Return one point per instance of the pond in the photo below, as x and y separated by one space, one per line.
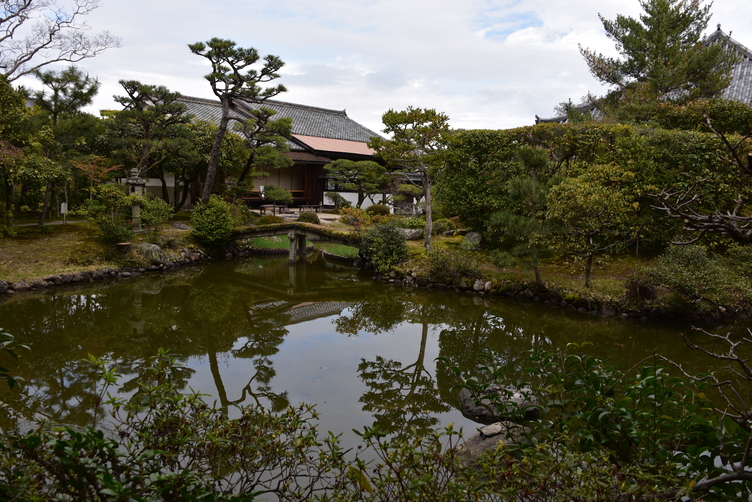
255 331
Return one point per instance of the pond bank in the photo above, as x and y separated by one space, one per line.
153 259
555 298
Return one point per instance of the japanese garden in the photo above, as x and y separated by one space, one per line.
243 298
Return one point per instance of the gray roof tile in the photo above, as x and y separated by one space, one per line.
306 120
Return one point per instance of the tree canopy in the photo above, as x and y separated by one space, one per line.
234 76
663 54
419 139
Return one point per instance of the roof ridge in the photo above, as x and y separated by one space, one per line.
270 101
738 46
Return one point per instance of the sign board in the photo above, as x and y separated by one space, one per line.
64 208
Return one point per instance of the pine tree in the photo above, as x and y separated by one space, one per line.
663 54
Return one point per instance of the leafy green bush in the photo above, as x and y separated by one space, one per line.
269 219
443 225
114 232
378 209
154 212
309 217
413 223
502 259
603 434
241 213
212 222
694 276
451 265
171 446
355 217
384 247
338 201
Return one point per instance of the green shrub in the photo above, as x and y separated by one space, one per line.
309 217
212 222
692 275
154 212
354 216
241 213
502 259
446 264
413 223
269 219
443 225
338 201
384 247
114 232
739 259
378 210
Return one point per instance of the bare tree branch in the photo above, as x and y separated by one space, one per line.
35 33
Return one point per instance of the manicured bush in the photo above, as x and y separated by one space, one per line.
413 223
453 266
384 247
269 219
212 222
443 225
355 217
378 209
309 217
114 231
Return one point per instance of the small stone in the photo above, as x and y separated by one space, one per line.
20 286
489 438
38 284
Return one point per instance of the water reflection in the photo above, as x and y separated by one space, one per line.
261 332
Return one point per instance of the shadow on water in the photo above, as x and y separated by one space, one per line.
262 332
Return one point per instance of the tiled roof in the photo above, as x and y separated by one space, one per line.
740 88
306 120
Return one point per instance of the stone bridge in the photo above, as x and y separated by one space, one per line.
298 233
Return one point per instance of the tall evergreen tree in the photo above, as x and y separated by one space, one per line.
233 76
663 54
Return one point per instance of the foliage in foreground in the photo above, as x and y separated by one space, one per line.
604 435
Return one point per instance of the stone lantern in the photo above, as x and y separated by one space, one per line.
136 186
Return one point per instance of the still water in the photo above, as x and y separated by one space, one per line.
259 332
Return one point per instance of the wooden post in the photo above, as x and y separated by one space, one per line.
293 256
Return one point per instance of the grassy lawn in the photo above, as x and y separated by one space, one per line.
60 249
339 250
269 243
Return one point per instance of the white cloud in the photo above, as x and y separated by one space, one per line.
486 63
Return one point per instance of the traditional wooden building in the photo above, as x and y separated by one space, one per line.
319 136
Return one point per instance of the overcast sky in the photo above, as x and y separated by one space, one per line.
490 64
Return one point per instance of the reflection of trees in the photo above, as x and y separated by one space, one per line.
400 397
190 315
